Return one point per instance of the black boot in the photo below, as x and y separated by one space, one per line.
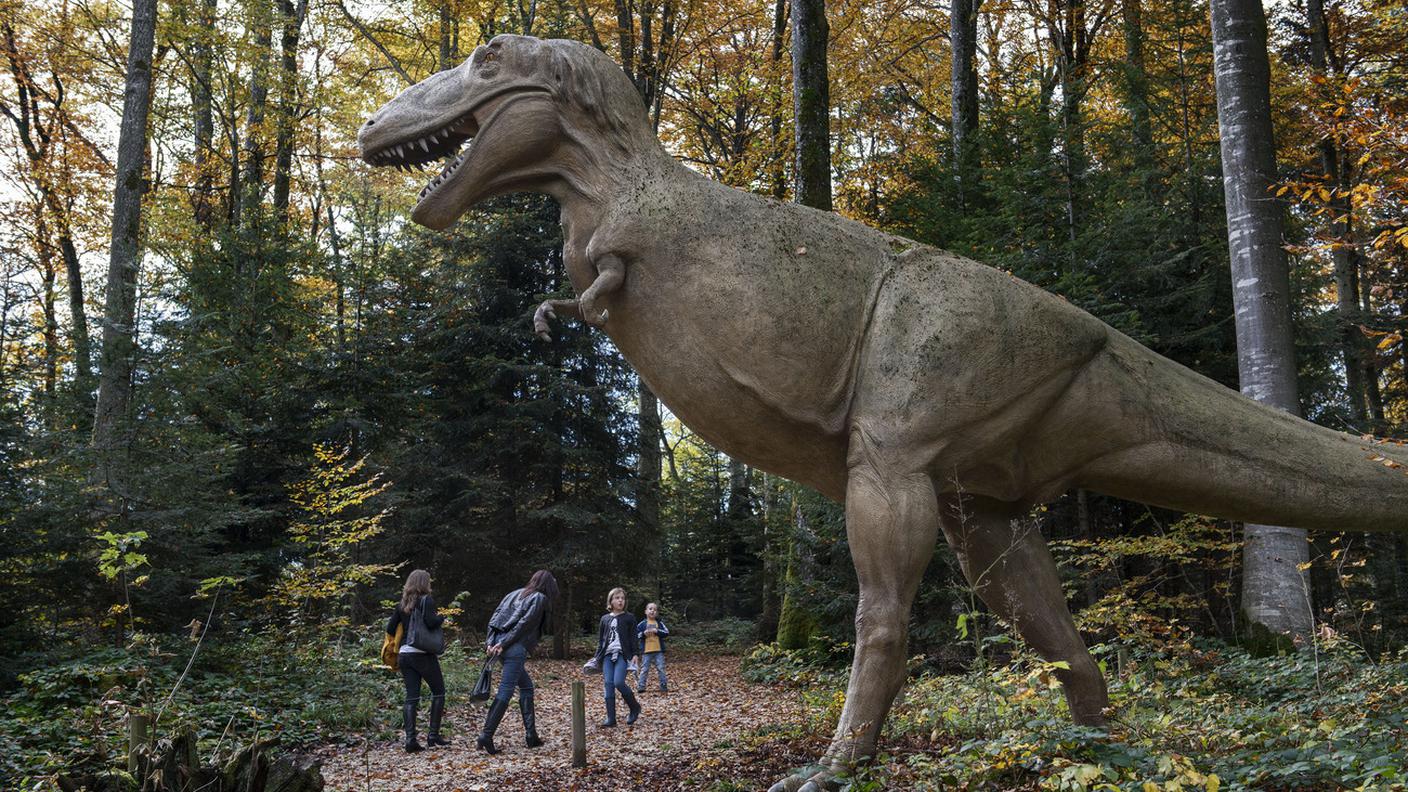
530 722
408 719
632 703
437 711
491 725
610 712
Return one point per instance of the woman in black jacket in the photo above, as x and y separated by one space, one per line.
514 629
417 665
616 644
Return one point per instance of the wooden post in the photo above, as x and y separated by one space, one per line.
579 724
138 725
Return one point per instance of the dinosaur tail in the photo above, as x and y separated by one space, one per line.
1194 445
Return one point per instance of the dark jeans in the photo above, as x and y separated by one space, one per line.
515 674
417 666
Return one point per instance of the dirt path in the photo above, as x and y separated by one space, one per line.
699 736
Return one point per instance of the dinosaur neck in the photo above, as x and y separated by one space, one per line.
590 178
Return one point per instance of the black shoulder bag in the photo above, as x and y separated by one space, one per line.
422 637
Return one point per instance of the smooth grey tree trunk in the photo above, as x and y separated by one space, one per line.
963 42
811 103
111 416
1275 592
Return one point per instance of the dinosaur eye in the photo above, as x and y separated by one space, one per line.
489 57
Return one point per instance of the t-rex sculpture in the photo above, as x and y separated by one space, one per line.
925 391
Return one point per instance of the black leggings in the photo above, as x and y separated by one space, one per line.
416 666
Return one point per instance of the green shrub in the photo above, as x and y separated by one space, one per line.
1207 717
727 635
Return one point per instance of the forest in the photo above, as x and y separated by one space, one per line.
242 395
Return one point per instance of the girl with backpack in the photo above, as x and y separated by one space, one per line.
418 665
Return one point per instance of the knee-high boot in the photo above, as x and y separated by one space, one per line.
491 725
408 719
437 712
530 721
630 702
610 711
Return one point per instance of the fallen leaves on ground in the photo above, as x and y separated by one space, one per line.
700 734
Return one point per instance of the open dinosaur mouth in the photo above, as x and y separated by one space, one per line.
438 143
444 140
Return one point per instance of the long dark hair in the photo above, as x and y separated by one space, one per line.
542 582
417 586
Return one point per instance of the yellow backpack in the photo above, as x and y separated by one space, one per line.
391 647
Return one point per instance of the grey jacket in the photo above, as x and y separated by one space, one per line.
518 621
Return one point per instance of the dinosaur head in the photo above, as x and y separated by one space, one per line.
534 112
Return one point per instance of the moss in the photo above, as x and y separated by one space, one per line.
1262 641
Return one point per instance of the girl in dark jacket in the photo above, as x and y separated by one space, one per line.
616 644
416 665
514 629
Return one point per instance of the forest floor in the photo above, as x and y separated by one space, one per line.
712 731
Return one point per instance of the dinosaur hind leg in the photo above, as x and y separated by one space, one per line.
892 526
1008 564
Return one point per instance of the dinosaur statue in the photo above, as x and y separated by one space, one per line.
925 391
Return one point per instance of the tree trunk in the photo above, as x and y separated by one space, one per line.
1357 360
1136 89
772 548
963 40
110 417
252 181
48 276
779 34
1274 589
811 102
203 116
288 103
1072 57
447 23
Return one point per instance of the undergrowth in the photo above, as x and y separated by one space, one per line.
1205 717
71 715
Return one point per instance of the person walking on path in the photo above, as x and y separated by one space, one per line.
650 633
417 665
615 646
514 629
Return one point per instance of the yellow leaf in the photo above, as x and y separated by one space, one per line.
1214 783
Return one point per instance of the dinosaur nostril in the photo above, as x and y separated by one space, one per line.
371 121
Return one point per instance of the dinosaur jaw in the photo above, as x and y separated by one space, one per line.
461 181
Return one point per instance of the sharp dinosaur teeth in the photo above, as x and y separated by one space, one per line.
424 146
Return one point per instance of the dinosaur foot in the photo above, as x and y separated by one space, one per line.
812 778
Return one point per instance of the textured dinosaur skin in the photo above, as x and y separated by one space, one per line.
927 392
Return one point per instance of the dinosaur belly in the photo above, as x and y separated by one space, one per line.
748 327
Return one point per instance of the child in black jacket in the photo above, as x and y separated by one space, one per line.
616 645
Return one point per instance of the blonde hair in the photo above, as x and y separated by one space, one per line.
611 595
417 586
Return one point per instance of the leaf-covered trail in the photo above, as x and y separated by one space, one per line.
697 736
